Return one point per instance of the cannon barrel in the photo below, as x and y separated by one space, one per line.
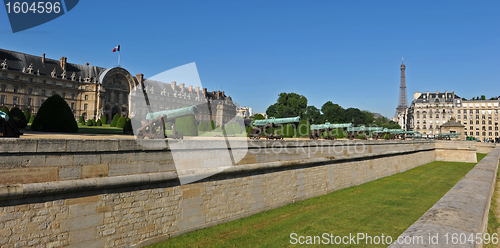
330 126
275 121
174 113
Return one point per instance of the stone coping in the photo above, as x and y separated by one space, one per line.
41 145
463 210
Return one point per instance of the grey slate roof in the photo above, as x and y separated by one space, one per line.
16 61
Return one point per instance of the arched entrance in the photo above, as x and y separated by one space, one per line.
84 116
115 111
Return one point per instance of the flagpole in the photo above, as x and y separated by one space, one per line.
119 53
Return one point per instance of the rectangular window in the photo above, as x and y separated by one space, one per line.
477 133
471 128
459 117
14 101
4 75
458 111
64 84
4 87
2 99
87 88
72 105
471 133
86 97
85 106
29 101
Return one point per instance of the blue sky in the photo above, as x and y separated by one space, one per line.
347 52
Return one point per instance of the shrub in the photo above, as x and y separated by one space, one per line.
90 122
129 125
5 109
115 120
55 116
18 117
121 122
98 123
26 114
81 120
228 128
248 130
212 125
32 118
186 125
104 120
202 126
237 128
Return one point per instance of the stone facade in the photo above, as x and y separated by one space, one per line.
26 81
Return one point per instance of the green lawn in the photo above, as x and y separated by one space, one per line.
386 206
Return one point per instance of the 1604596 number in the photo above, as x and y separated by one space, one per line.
36 7
477 238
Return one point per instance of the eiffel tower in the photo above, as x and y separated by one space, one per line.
402 104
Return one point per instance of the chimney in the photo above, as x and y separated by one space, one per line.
190 88
43 58
204 91
197 89
140 79
62 62
223 94
173 84
87 64
182 87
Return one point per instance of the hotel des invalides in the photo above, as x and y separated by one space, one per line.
92 92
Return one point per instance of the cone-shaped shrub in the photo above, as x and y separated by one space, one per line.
55 116
115 120
98 123
121 122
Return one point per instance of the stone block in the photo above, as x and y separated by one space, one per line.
58 160
14 145
71 172
83 235
82 210
82 222
93 171
78 145
87 159
114 158
51 145
28 175
148 167
124 169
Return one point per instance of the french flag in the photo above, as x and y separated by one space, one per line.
116 49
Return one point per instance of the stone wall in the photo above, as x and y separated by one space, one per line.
115 193
463 210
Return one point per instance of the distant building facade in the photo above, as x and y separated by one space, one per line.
429 111
244 112
26 81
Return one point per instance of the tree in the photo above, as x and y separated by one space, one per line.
304 128
5 109
313 115
55 116
18 117
115 120
288 105
258 117
272 110
483 97
333 113
81 120
355 116
369 118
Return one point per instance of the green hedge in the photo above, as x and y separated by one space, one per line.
121 122
115 120
186 125
104 120
90 123
98 123
81 120
18 117
55 116
5 109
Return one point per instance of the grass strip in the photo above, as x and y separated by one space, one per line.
385 206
